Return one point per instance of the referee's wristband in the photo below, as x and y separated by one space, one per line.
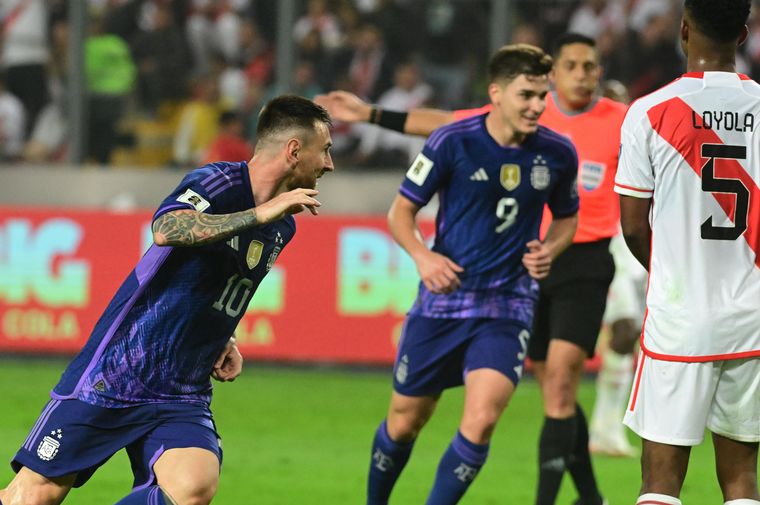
390 119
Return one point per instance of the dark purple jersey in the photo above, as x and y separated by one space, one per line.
169 321
491 202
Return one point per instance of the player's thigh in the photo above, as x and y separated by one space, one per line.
577 312
181 430
71 437
30 488
487 393
735 412
430 355
189 475
670 401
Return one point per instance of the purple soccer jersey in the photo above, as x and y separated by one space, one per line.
491 203
169 321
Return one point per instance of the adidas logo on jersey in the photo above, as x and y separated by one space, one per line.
479 175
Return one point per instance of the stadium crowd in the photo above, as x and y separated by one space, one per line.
160 73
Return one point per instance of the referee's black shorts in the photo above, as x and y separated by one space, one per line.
573 298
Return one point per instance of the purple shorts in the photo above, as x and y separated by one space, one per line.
435 354
73 437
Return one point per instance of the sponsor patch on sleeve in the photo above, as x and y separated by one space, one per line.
420 169
197 201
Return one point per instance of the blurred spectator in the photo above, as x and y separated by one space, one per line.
318 18
651 57
527 33
12 123
400 23
304 83
383 147
110 79
448 23
214 26
25 53
593 17
230 144
255 55
198 122
232 82
615 90
366 63
162 60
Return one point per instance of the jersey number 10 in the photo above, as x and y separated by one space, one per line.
230 302
712 184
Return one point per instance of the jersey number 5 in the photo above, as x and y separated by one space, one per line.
712 184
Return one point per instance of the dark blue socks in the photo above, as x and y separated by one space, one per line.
388 459
458 468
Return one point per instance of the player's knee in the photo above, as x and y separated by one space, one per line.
405 427
480 424
190 491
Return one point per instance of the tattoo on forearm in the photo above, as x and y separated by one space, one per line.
190 228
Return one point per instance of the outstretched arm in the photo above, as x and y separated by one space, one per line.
187 228
347 107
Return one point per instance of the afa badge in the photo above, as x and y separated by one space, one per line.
48 448
510 176
252 258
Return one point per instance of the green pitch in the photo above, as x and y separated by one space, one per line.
295 436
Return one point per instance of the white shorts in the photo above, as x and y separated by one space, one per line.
673 402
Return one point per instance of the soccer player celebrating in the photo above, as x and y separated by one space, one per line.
573 296
690 208
141 382
471 321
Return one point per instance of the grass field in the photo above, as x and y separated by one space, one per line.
302 436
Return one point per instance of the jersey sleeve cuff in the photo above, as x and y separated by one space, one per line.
411 196
622 189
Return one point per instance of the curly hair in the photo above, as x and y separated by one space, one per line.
721 21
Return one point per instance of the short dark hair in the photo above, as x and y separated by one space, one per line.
720 21
571 38
514 60
286 112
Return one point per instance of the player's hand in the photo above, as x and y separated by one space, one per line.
229 364
284 204
537 260
439 273
344 106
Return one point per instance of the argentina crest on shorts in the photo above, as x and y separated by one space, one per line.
49 446
592 174
402 369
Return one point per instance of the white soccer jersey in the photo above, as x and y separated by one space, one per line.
694 147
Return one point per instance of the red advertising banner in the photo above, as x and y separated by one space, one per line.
337 293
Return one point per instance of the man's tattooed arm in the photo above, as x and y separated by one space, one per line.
187 228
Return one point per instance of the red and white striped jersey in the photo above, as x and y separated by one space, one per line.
693 146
